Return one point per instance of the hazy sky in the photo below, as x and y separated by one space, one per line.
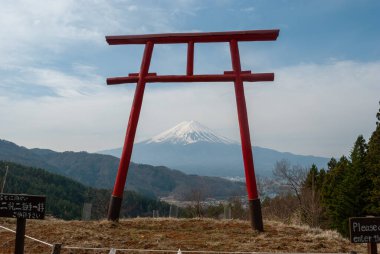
54 61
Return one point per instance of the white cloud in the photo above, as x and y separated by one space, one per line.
39 82
132 8
249 9
81 117
64 85
47 99
31 29
316 109
310 109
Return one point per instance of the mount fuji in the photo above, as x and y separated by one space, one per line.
195 149
187 133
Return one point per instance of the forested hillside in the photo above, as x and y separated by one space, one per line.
99 171
65 197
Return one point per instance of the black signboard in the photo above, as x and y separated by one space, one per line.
22 206
365 230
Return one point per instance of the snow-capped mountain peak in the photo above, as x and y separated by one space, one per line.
189 132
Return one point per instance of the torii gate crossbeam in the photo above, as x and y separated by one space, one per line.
236 75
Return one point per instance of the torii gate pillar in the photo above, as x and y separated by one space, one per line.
236 75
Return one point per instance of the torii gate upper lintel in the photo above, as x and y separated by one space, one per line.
236 75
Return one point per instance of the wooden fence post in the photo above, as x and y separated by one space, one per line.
57 248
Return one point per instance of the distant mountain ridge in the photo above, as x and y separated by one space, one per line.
196 149
98 170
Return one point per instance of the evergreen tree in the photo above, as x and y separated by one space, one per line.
333 193
315 178
373 165
332 163
378 117
359 178
359 152
347 186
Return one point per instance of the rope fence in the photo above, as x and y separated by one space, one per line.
56 249
29 237
179 251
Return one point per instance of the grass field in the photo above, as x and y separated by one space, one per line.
172 234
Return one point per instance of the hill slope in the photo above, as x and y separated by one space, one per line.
99 171
65 197
187 234
195 149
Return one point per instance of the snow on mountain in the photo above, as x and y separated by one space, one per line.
189 132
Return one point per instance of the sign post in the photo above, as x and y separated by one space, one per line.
365 230
20 235
22 207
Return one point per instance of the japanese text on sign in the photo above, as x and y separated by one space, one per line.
22 206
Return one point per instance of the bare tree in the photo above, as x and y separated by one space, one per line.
266 186
312 207
238 210
291 177
284 208
196 198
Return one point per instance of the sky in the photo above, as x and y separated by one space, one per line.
54 62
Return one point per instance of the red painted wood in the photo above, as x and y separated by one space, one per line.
243 123
132 123
190 58
136 74
252 35
194 78
242 72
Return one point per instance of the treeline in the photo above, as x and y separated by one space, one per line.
65 197
349 187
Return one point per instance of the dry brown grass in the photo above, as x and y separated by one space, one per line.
172 234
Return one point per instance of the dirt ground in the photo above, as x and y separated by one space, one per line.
173 234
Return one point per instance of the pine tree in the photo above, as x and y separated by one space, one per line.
373 165
315 178
352 186
333 194
332 163
347 187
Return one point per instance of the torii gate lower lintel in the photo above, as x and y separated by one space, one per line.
236 75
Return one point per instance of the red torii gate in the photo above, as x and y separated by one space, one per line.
236 75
